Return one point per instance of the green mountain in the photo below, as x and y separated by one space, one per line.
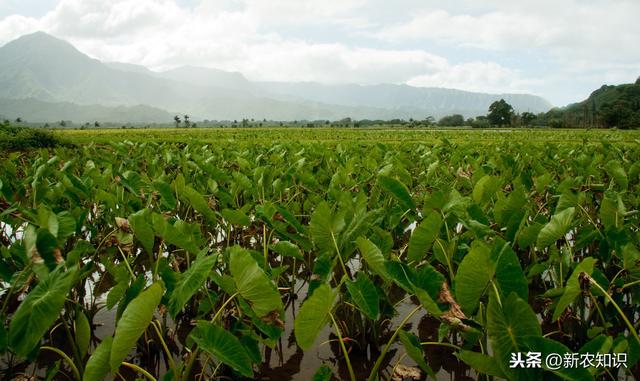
44 68
609 106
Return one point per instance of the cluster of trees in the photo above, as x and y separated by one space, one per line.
500 114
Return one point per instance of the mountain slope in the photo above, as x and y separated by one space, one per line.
42 67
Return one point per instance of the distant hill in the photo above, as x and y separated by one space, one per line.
44 68
37 111
609 106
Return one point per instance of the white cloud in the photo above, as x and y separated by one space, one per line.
368 41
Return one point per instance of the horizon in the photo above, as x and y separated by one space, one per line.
461 45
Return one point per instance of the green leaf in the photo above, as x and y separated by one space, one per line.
198 203
556 228
372 256
166 194
474 273
325 227
190 281
287 249
253 284
572 289
236 217
83 332
548 346
398 190
507 326
313 316
224 346
481 363
509 275
364 295
617 173
485 188
39 310
97 366
414 350
423 236
323 374
134 321
140 223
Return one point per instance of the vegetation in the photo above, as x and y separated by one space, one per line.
209 258
20 138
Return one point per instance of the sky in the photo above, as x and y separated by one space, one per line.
561 50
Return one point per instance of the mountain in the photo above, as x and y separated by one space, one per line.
37 111
608 106
44 68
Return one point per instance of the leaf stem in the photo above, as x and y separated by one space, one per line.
344 349
617 307
376 366
66 358
139 370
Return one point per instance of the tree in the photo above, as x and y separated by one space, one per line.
96 124
527 118
638 81
18 120
177 121
187 123
500 113
455 120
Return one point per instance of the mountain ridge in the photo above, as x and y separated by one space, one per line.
45 68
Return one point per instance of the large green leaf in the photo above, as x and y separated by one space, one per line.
98 367
313 316
224 346
473 276
615 170
253 284
507 326
83 332
572 289
39 310
190 281
372 256
287 249
398 190
134 321
423 236
485 188
509 275
140 223
364 295
556 228
198 203
412 345
481 363
325 227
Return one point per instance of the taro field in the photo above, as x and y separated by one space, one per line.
324 254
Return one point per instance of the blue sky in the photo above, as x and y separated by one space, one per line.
561 50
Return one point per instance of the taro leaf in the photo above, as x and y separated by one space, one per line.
66 225
556 228
485 188
364 295
323 374
427 302
287 249
481 363
253 284
142 229
507 326
398 190
47 245
572 289
474 273
546 347
528 234
313 316
166 194
414 350
189 282
236 217
401 274
509 275
372 256
198 203
134 321
97 366
39 310
617 173
83 332
224 346
325 227
423 236
612 211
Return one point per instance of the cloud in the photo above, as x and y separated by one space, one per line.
363 41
